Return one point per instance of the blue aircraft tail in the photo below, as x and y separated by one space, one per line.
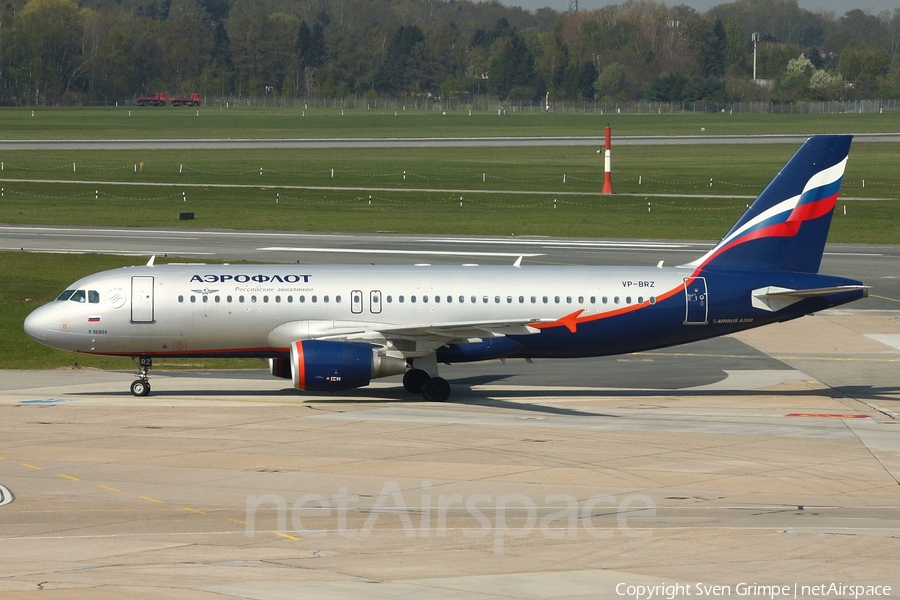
785 228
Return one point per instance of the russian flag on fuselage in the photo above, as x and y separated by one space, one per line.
786 227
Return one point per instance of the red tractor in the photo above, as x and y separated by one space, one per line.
193 100
159 99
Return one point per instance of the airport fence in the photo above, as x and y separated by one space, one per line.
494 104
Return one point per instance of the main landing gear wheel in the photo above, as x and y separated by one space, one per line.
436 389
140 387
414 380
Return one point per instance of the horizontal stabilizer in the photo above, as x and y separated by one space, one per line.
773 298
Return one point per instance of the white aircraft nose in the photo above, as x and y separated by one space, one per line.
37 324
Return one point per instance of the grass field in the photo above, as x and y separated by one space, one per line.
242 123
503 191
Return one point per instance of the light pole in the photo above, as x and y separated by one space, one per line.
755 37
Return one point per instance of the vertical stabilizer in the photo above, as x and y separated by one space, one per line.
786 227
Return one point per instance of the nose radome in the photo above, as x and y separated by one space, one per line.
37 324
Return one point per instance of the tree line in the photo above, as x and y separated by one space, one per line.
65 52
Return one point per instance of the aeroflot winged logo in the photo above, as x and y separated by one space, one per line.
258 278
783 220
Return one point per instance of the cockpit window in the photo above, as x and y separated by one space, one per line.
93 296
66 295
78 296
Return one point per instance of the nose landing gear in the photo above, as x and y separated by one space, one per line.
141 385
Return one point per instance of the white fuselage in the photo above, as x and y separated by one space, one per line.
210 309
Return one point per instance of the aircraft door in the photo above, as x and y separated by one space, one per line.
696 300
142 299
356 303
375 302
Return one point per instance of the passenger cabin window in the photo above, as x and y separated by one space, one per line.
181 298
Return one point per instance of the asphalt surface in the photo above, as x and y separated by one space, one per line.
769 458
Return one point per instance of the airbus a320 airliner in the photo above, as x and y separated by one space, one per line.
337 327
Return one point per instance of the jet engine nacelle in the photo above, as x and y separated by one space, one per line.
324 366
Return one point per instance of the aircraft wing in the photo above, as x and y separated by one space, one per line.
449 332
410 340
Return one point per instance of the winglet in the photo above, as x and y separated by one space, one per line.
150 262
518 262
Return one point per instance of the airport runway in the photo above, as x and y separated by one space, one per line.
876 265
770 458
500 142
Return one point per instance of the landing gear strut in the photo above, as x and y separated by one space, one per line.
141 385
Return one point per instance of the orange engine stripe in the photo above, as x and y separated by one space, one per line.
300 366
